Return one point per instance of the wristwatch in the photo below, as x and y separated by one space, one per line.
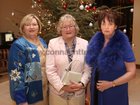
82 83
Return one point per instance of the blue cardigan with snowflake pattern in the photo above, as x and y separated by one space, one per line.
25 72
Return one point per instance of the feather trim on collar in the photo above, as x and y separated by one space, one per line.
106 57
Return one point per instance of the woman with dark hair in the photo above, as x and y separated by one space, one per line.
110 55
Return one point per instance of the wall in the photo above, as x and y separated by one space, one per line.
136 30
19 7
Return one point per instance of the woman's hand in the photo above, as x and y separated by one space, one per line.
103 85
25 103
74 86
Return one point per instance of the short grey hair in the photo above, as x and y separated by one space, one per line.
61 21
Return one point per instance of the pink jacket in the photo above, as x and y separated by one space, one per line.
57 61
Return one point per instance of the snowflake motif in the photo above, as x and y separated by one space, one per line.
20 64
33 55
15 75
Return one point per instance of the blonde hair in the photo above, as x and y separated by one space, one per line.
61 22
27 19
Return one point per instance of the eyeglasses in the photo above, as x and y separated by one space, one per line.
68 27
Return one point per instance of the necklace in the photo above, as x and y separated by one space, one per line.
41 49
42 53
34 40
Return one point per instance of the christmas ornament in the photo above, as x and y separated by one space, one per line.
65 6
90 24
39 1
87 7
81 7
94 8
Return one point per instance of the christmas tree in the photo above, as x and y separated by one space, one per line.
85 12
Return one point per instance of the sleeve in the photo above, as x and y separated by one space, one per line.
86 69
89 58
86 75
127 52
16 60
51 68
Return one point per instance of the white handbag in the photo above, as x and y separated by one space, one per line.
70 73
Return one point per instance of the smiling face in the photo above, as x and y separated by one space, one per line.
31 28
68 29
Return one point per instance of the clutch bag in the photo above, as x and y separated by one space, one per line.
71 74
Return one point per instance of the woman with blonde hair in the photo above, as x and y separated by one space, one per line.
26 64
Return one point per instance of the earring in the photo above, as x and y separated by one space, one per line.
39 32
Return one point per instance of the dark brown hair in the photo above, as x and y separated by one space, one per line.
111 15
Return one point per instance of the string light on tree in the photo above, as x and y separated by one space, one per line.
49 22
131 10
12 13
90 5
32 6
124 30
